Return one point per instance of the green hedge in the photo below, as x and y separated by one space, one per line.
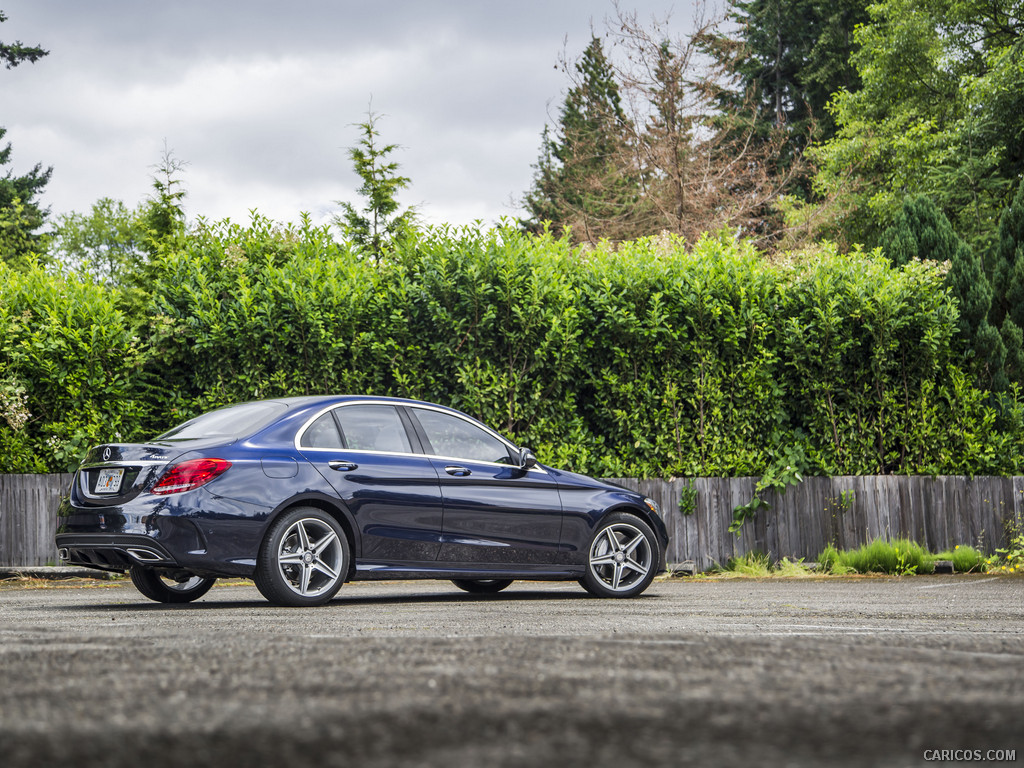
641 360
70 371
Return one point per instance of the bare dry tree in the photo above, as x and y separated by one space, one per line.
681 163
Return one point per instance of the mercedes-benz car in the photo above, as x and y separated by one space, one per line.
303 494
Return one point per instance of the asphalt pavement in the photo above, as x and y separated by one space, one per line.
801 672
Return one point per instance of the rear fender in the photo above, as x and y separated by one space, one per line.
332 506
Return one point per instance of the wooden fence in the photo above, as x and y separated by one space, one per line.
28 518
938 513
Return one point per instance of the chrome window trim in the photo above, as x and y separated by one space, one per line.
468 420
302 430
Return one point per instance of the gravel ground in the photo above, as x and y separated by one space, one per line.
872 672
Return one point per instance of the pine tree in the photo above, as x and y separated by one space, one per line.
586 179
922 231
20 214
14 54
164 211
378 224
642 148
789 57
1007 261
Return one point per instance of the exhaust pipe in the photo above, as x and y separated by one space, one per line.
144 555
63 553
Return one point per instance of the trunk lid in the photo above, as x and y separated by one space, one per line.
115 473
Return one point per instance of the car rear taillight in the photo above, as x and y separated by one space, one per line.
189 475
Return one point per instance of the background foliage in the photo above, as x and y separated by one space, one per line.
645 359
70 371
607 347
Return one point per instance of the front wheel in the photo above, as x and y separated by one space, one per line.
169 586
304 559
482 586
622 556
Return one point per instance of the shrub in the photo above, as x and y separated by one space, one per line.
1009 559
644 359
70 371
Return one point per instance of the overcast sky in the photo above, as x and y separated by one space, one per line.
260 98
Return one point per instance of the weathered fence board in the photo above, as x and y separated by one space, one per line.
28 522
938 513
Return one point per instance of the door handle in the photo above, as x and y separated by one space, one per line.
342 466
457 471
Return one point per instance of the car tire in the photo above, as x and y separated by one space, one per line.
621 558
165 588
482 586
304 558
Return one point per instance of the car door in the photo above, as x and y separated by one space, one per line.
494 510
364 450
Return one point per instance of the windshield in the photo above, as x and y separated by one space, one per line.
234 421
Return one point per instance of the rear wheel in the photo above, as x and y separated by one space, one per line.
169 586
304 559
482 586
622 557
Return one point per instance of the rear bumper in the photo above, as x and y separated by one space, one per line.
193 531
112 552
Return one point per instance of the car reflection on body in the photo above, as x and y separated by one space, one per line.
303 494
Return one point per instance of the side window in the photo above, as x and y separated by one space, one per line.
373 428
451 436
322 433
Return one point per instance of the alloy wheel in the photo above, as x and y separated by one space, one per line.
310 557
620 557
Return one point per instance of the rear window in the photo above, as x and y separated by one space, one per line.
233 421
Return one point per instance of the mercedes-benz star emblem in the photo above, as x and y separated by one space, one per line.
106 454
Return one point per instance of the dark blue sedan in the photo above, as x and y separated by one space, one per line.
303 494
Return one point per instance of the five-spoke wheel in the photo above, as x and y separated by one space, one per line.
169 586
304 559
622 557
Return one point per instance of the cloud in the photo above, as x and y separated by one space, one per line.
260 98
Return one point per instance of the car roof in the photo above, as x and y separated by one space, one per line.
304 400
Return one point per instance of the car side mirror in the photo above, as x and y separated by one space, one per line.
526 458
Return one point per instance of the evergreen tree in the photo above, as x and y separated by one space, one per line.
379 223
921 231
641 147
788 57
20 247
14 54
1008 284
1008 264
20 214
586 179
164 211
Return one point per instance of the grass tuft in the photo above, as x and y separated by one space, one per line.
756 564
899 557
965 559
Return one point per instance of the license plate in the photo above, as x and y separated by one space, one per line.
109 480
